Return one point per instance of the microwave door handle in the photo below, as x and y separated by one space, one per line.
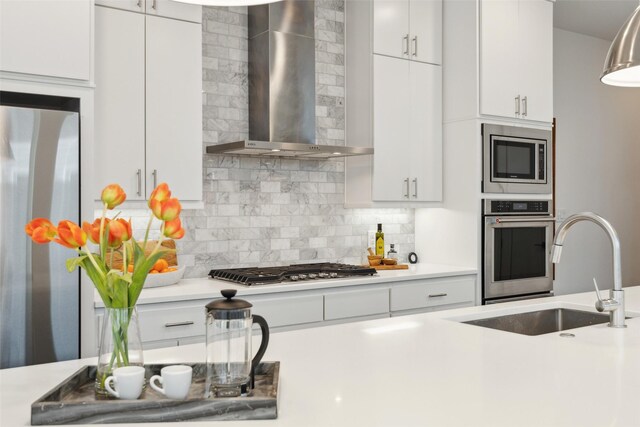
507 220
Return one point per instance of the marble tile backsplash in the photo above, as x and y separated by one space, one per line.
270 211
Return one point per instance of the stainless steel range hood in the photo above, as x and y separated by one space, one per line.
282 77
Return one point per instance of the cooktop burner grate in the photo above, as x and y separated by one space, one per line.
290 273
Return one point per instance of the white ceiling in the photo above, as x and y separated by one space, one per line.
597 18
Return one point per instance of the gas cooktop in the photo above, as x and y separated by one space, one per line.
290 273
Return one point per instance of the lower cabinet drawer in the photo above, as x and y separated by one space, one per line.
291 310
171 323
433 293
342 305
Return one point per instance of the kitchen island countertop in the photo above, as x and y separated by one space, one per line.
203 288
423 370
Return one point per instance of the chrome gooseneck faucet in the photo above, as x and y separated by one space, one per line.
615 303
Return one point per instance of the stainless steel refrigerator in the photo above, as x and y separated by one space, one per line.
39 177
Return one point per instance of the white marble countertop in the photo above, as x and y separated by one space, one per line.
191 289
421 370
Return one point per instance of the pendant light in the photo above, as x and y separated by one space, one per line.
622 66
228 2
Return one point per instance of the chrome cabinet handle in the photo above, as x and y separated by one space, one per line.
155 178
415 188
415 45
524 107
517 105
185 323
139 4
153 5
406 194
139 175
437 295
405 44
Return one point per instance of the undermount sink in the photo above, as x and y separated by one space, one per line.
542 321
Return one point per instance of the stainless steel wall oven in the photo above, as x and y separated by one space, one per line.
517 239
516 160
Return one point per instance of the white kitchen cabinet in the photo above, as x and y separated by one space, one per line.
425 132
407 130
164 324
130 5
281 310
391 133
120 101
395 106
356 303
46 38
516 59
174 9
426 294
409 29
148 100
174 106
164 8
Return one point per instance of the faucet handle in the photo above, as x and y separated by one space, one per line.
607 304
595 283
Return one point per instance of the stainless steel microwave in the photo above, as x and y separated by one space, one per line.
516 160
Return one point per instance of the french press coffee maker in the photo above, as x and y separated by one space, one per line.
230 369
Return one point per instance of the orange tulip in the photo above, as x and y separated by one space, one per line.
173 229
41 230
161 194
118 232
128 233
70 235
93 229
113 195
167 210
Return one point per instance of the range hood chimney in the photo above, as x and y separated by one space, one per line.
282 79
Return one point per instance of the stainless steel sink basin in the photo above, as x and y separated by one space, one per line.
542 322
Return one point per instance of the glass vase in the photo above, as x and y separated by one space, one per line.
120 343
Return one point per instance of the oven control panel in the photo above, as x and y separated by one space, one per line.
517 207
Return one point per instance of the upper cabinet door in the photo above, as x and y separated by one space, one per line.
174 106
536 59
119 101
132 5
426 30
391 28
425 132
391 141
46 38
174 9
499 52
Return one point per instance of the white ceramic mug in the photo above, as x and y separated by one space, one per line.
128 382
176 380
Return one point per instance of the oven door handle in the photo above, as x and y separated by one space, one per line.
507 220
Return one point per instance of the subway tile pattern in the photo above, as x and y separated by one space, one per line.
271 211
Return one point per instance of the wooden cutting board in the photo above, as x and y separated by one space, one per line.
170 255
391 267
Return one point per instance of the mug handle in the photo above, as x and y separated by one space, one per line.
153 384
263 344
108 387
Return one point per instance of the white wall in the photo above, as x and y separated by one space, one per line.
597 164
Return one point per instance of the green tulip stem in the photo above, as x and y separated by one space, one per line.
102 220
93 261
146 234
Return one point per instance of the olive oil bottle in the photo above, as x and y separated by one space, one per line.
380 241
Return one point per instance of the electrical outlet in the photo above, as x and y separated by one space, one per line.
561 215
371 239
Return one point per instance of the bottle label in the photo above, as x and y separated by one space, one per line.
380 246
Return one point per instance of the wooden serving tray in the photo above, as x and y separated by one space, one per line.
74 401
170 255
390 267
